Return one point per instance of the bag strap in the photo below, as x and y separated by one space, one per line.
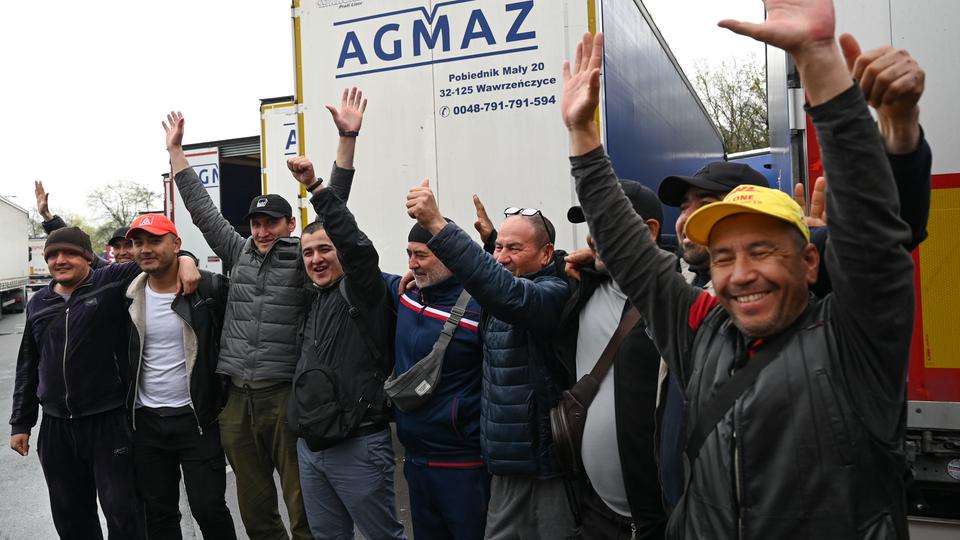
716 407
629 319
453 321
587 387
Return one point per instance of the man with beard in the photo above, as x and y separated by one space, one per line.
795 403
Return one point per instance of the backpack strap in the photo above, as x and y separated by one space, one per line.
358 320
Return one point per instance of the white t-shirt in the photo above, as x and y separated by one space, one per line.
599 319
163 373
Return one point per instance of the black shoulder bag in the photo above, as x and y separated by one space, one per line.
413 388
569 416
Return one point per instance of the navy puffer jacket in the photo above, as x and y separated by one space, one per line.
522 378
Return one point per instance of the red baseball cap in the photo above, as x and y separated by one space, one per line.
155 224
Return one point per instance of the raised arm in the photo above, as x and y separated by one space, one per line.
871 270
646 274
533 304
223 239
356 252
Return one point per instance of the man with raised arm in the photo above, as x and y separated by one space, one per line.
521 298
794 416
259 347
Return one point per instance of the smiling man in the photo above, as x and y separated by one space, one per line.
173 391
338 408
71 363
794 403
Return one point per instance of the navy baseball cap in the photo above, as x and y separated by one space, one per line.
719 176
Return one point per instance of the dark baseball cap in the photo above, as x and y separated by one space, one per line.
118 235
719 176
644 201
271 204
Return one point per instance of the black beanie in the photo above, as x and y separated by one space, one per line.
71 238
421 235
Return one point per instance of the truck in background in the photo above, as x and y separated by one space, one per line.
230 171
14 272
925 29
39 271
467 93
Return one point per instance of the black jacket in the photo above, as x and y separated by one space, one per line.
71 354
347 345
812 449
202 312
635 379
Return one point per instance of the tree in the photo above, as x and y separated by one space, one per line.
120 202
735 95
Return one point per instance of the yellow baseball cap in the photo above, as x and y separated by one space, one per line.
746 199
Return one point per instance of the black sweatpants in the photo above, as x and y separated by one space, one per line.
162 445
84 459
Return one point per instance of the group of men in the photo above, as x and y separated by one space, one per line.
754 390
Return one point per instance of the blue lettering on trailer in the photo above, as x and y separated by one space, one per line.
209 174
397 43
291 142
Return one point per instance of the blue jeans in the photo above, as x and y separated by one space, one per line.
350 483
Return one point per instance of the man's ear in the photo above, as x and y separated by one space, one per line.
811 262
548 255
177 243
654 227
292 226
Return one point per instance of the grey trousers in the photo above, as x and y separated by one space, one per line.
522 507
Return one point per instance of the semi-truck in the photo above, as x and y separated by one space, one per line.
466 93
925 29
14 272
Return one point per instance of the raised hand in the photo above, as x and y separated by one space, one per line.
892 82
483 224
581 85
816 216
792 25
422 206
43 201
174 129
350 115
302 170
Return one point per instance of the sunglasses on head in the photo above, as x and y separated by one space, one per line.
529 212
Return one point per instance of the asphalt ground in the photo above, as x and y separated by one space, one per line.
24 507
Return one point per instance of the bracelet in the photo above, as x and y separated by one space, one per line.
349 133
314 185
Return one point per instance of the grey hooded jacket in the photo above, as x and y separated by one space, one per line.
268 295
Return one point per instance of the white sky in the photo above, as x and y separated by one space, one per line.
86 84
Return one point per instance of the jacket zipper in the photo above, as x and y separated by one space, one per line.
66 341
189 375
736 472
136 388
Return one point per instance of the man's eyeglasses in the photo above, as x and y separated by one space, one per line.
530 212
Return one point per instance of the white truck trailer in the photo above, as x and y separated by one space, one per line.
467 93
14 272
